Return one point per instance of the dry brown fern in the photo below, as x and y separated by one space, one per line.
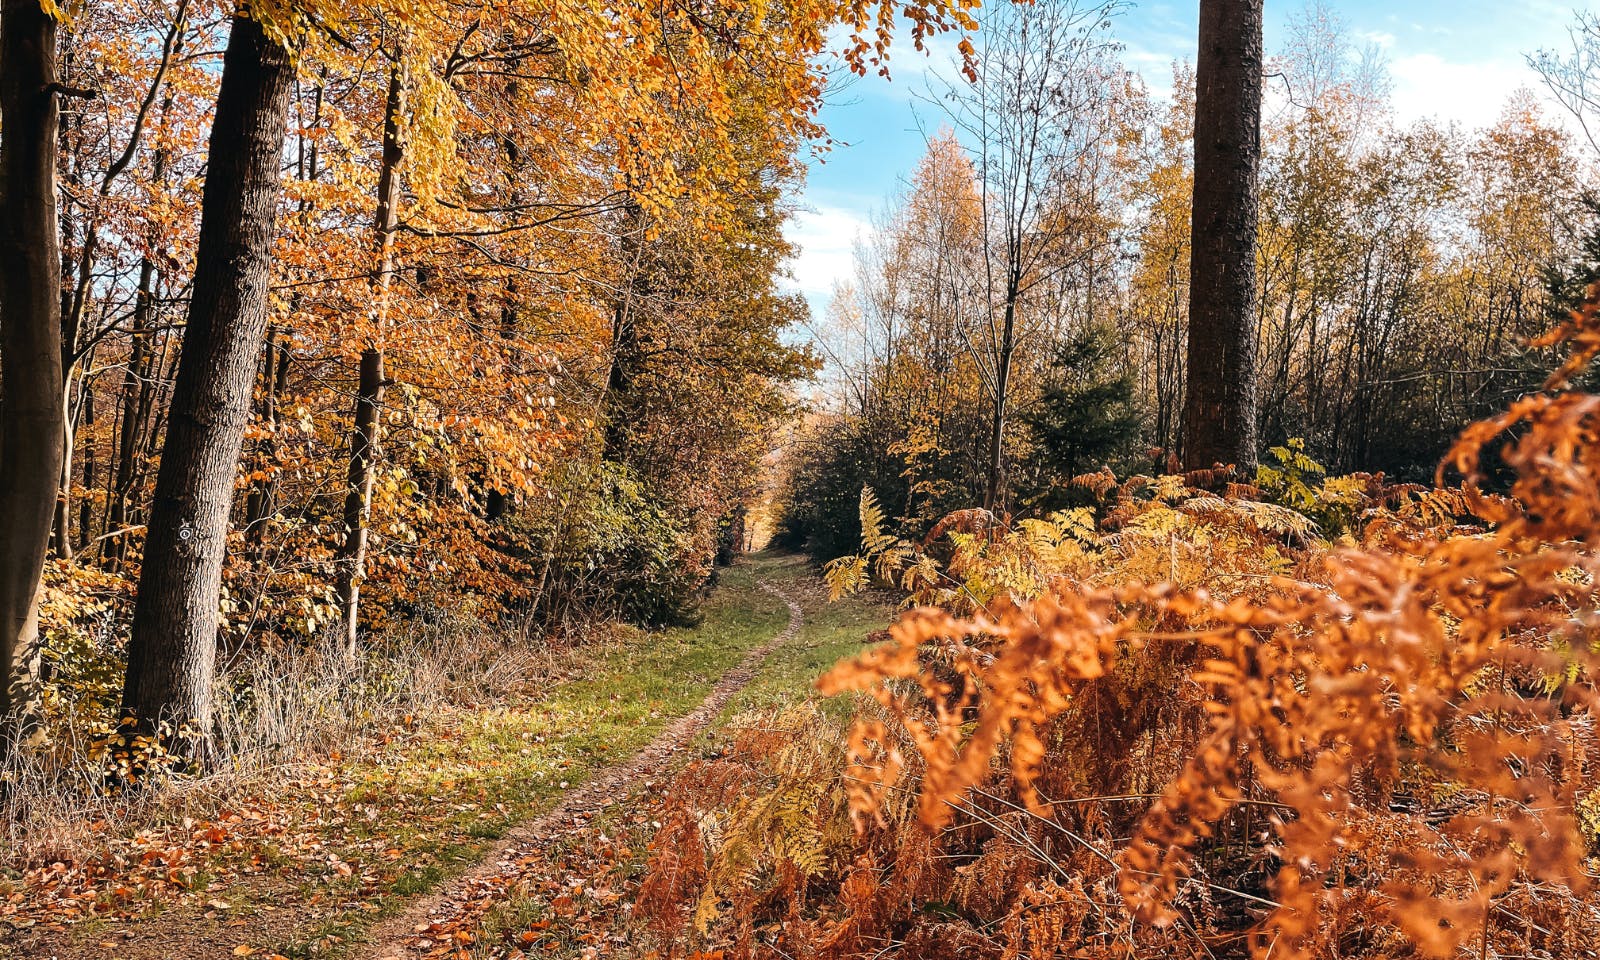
1414 723
1201 733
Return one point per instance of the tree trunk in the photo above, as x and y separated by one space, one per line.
352 556
32 419
358 499
90 466
626 351
625 356
61 525
1220 409
137 391
172 651
495 500
261 502
1002 389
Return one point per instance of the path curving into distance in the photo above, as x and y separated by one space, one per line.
482 885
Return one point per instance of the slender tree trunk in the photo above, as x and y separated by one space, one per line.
495 500
1002 390
74 301
90 466
134 385
358 499
619 382
61 524
138 380
626 353
352 556
32 419
261 503
1220 409
137 388
172 651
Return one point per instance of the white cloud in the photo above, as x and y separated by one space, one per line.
1378 38
1154 67
825 240
1473 94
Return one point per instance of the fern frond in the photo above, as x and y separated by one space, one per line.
872 520
845 576
892 558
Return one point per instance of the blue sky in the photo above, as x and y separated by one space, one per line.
1456 60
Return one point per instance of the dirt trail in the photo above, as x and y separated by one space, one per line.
400 937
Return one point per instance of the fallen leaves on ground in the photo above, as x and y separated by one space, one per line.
328 832
576 883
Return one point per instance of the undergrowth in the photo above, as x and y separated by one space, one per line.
1299 717
275 707
393 785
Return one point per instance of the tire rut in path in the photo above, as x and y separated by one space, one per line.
395 938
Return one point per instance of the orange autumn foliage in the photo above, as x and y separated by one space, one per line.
1389 750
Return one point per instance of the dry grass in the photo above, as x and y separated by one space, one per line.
276 708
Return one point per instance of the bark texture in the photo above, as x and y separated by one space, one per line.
1219 414
32 418
172 651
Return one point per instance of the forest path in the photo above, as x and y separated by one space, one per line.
465 825
428 924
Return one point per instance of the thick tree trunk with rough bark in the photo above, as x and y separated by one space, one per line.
352 556
32 418
1219 414
172 652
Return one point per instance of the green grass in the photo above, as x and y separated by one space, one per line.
830 632
418 881
508 763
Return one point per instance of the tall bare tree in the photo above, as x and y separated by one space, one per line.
1573 75
1033 113
1219 414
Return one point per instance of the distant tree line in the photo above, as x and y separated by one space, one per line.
1024 311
